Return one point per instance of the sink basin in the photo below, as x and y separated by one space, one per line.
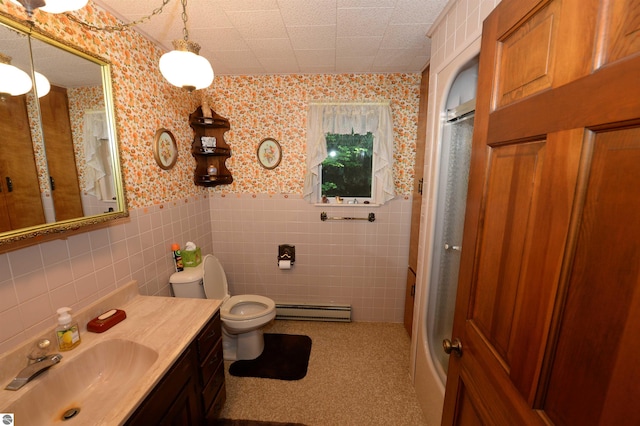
84 388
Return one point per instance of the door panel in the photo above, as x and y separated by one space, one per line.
61 161
19 184
548 305
601 319
512 174
624 23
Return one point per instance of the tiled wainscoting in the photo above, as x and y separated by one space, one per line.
360 263
76 271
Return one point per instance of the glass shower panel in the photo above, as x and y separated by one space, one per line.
452 196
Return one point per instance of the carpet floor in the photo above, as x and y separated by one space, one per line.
228 422
358 375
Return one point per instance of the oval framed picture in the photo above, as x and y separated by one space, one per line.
269 153
165 150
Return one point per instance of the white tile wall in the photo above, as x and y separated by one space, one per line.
76 271
459 24
353 262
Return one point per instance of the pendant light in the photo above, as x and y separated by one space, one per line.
42 84
13 81
183 66
51 6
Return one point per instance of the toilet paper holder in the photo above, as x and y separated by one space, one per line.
287 252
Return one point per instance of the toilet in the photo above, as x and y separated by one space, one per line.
243 316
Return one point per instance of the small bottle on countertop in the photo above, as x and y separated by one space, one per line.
67 332
177 257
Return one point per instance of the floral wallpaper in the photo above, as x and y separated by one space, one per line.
256 106
276 106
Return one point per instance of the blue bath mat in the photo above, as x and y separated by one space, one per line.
285 357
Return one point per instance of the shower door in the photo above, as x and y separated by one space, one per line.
451 201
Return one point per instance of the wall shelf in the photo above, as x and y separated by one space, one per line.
209 148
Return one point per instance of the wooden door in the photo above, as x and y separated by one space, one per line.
20 197
548 304
61 160
416 204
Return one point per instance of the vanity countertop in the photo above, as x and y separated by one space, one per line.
164 324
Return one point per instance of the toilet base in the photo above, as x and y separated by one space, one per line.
247 345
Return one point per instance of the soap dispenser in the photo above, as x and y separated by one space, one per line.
67 332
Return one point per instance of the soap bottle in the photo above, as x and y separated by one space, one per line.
177 257
67 332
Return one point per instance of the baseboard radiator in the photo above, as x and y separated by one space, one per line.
310 312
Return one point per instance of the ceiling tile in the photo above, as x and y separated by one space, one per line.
354 64
269 36
221 38
316 37
405 37
366 3
247 5
363 22
310 58
258 24
280 65
298 13
357 46
416 12
271 47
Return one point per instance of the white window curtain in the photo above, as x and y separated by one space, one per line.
98 178
342 118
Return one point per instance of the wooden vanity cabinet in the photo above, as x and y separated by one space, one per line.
193 391
211 374
209 148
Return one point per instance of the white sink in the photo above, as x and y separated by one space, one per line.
93 383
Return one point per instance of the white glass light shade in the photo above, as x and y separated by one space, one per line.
56 6
186 69
42 84
61 6
13 80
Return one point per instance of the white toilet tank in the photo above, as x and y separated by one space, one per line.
188 283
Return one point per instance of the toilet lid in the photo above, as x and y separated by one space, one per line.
214 279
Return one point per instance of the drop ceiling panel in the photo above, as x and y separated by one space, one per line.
295 36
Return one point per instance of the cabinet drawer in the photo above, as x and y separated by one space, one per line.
209 337
209 366
213 386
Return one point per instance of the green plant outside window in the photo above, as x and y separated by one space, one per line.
347 170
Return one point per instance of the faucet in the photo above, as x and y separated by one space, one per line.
40 363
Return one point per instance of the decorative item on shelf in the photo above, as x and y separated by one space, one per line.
165 150
269 153
209 148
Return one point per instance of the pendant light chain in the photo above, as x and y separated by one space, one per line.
185 18
122 27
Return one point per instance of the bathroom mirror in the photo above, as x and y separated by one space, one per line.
59 159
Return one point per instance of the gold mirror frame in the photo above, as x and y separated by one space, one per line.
38 233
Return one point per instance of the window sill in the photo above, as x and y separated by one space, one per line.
346 205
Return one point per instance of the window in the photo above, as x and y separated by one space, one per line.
347 171
349 152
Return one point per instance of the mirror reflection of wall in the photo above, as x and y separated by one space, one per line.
62 144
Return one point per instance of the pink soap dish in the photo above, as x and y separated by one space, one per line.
105 321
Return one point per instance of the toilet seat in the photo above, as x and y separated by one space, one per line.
246 307
243 307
